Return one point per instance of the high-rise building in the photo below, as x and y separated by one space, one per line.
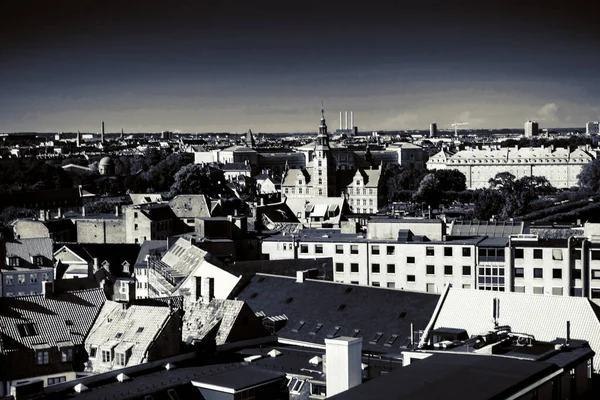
592 128
433 129
531 128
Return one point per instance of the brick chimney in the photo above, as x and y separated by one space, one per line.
48 289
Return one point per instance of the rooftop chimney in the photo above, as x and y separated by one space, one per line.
48 289
343 368
568 333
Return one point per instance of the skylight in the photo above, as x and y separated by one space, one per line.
356 333
289 300
68 322
298 326
29 329
118 335
316 329
348 290
262 278
334 332
341 307
402 314
391 340
140 329
376 337
253 295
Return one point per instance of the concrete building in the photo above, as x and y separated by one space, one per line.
560 166
591 128
155 221
433 130
531 128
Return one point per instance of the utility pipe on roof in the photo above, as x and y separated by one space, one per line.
434 317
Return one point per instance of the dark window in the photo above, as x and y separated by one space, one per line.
595 293
596 274
375 268
538 273
595 254
29 329
447 251
391 250
353 249
410 278
303 248
538 254
376 337
518 253
375 250
391 268
556 273
354 267
410 260
466 252
576 273
466 270
318 249
339 267
447 269
430 251
93 351
577 254
339 249
519 272
430 270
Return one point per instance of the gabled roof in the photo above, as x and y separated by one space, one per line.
61 317
25 249
349 307
487 228
542 316
150 247
190 206
135 328
183 258
159 212
113 253
278 212
144 198
292 176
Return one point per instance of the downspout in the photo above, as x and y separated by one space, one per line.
434 317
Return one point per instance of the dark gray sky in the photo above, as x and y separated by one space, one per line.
267 65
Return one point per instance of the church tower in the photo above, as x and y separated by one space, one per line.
324 169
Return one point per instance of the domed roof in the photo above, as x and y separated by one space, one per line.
106 161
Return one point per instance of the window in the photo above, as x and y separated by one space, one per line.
410 278
66 354
519 272
135 214
466 251
9 280
375 268
538 273
135 227
391 250
391 285
557 254
595 274
410 260
538 290
13 261
447 251
42 357
376 337
519 253
28 329
595 293
431 288
595 254
391 268
339 249
520 289
21 279
375 250
121 359
93 351
556 273
466 270
430 269
296 386
430 251
354 267
557 291
339 267
106 356
38 260
447 269
576 273
577 254
318 249
466 286
33 278
304 248
56 380
538 254
354 249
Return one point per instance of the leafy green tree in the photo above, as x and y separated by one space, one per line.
198 179
429 191
451 180
488 203
589 177
518 193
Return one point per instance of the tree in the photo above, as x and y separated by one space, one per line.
429 191
197 179
451 180
589 177
518 193
399 180
488 203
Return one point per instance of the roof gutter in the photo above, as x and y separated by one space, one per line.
434 317
534 385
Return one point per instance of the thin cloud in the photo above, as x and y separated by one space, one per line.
550 112
401 121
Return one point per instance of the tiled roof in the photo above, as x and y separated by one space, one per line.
292 176
543 316
143 198
190 206
63 317
202 319
114 253
350 307
25 249
135 327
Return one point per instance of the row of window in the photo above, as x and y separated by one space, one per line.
43 356
293 189
22 279
14 261
108 356
364 192
353 202
391 269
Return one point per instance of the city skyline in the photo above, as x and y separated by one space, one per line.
148 66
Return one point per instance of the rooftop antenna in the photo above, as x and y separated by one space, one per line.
496 311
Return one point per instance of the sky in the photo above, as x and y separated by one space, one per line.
230 66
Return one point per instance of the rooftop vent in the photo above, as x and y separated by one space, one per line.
289 300
341 307
122 377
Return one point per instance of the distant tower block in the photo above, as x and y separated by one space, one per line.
592 128
433 129
78 139
102 133
531 128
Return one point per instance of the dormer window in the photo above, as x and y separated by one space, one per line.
13 261
300 182
37 260
358 183
125 267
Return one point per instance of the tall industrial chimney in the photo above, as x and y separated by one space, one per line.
346 121
351 120
102 133
341 126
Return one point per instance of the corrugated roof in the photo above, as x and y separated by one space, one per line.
543 316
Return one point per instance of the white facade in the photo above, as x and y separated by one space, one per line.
342 364
560 166
531 128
